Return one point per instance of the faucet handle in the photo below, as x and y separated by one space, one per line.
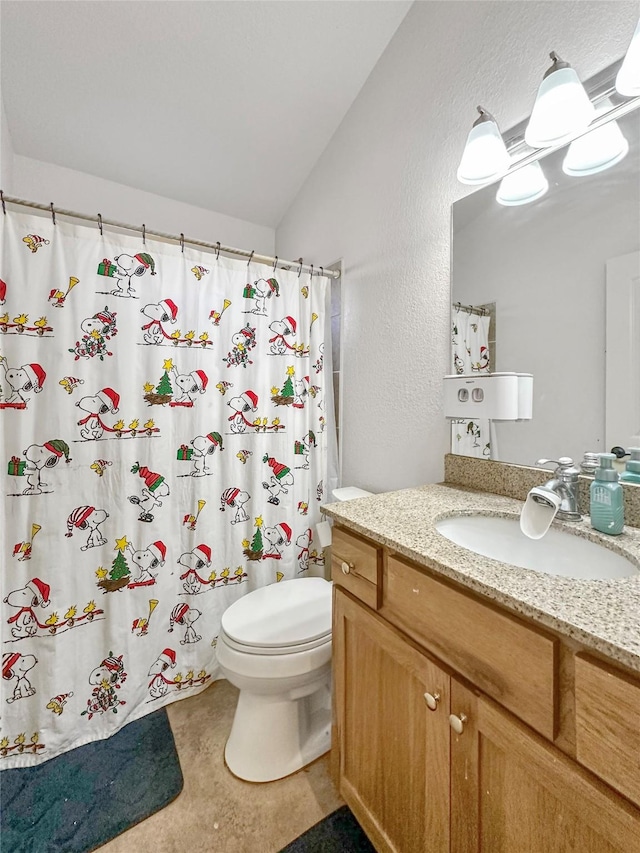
562 462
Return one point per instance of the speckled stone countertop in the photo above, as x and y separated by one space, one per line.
603 615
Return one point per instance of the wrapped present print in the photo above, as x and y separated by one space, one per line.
16 466
249 292
299 448
185 452
105 267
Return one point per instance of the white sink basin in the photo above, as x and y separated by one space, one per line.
557 553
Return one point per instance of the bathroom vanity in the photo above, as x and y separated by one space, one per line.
479 706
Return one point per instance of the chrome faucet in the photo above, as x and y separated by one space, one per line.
565 485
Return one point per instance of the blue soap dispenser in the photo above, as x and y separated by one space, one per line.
632 470
607 497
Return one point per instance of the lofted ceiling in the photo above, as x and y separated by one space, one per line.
223 105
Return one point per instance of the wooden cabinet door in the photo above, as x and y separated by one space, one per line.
393 750
513 792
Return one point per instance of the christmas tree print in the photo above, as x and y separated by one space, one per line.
284 395
120 573
164 390
253 550
164 386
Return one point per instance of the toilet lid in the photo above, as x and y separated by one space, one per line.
288 613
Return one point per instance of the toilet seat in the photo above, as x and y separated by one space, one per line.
285 618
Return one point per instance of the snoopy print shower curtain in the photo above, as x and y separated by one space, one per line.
165 420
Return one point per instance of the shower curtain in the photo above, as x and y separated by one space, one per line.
470 354
167 427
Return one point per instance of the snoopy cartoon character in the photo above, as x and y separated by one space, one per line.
106 679
261 290
129 266
235 498
34 594
282 329
148 561
300 392
159 685
41 456
204 446
165 311
277 537
155 487
15 668
194 562
185 616
21 381
280 478
105 401
87 518
189 384
247 402
303 542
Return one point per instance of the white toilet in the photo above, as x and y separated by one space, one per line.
275 646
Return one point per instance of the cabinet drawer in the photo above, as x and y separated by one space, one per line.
510 662
608 725
355 565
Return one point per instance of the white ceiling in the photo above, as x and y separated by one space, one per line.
224 105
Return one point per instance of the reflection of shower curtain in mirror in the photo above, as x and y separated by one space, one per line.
470 354
165 442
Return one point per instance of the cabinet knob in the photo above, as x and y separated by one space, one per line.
346 567
432 700
457 722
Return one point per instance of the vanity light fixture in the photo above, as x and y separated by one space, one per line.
595 151
628 77
522 186
562 108
485 156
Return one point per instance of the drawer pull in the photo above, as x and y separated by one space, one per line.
346 567
432 700
457 722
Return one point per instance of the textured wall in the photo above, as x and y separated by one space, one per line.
34 180
6 153
380 198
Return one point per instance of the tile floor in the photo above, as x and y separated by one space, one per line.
217 813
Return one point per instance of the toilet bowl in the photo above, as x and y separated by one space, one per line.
275 647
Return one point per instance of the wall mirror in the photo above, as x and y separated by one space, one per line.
561 275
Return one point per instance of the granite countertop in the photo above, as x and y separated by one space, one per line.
603 615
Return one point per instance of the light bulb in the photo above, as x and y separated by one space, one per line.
485 155
628 77
596 151
562 108
522 186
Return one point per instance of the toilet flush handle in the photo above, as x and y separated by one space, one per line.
346 567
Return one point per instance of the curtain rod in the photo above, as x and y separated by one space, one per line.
470 309
179 238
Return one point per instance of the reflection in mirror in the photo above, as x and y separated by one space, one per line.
539 271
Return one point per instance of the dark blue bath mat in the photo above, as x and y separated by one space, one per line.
83 798
339 832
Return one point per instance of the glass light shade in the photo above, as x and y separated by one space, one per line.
596 151
562 109
522 186
628 77
485 155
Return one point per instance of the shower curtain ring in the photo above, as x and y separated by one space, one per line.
311 273
144 234
321 270
300 267
250 256
4 208
218 250
100 223
182 242
53 213
275 263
